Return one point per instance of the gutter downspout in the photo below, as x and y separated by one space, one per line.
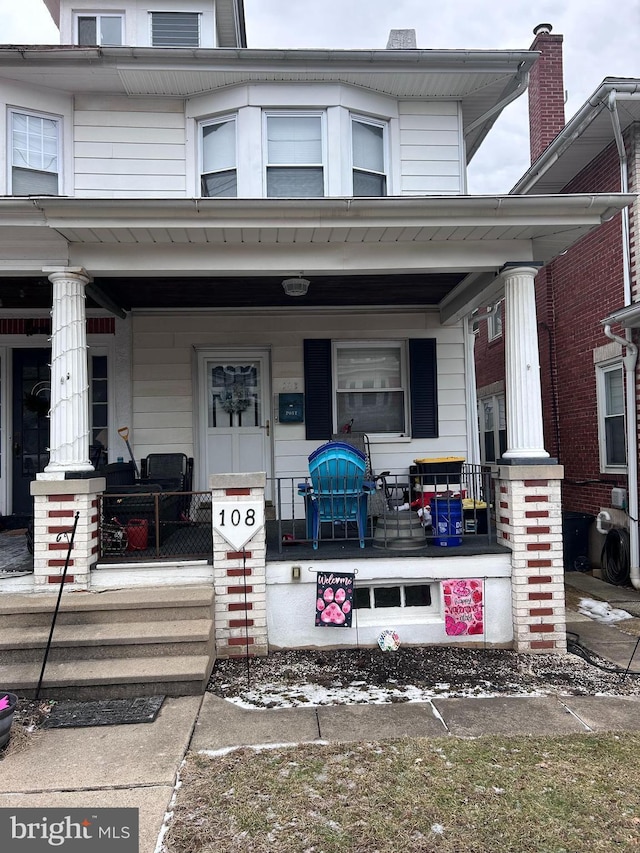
629 359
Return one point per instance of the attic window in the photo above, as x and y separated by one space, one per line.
103 30
175 29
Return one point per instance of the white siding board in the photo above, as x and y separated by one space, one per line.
105 165
431 184
163 408
130 118
141 135
430 108
133 183
428 123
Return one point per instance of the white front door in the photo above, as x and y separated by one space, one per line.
235 391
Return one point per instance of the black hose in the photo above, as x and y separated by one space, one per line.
574 646
616 557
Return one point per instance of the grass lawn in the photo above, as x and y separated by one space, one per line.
545 794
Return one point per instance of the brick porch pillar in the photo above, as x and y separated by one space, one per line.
55 505
239 584
529 521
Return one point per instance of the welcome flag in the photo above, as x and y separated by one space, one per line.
334 600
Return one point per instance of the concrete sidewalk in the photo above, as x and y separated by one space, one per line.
137 765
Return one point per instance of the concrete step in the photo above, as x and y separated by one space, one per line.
107 640
107 679
127 605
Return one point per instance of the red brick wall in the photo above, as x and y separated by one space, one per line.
546 93
573 293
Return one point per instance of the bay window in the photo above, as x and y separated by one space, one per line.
368 155
294 155
218 173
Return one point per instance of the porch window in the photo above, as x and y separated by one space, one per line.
402 596
35 154
294 155
99 30
370 386
611 416
175 29
368 155
415 400
218 174
493 428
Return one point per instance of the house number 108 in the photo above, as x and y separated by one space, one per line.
236 519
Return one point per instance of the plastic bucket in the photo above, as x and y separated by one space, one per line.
446 515
137 534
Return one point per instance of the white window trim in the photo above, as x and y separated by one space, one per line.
601 369
152 12
89 13
58 119
404 368
265 145
385 149
494 324
206 123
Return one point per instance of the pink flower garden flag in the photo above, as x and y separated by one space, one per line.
334 600
463 607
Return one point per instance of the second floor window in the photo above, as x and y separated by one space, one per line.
294 156
175 29
368 152
35 154
99 30
218 175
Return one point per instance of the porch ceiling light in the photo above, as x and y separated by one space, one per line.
296 286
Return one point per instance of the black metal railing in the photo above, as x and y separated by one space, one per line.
154 525
400 510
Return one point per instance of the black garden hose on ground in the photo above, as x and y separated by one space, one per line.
616 559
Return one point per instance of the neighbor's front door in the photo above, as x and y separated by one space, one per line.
236 394
30 422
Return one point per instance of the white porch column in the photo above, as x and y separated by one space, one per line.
525 437
69 442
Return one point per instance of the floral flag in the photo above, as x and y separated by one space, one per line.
334 600
463 607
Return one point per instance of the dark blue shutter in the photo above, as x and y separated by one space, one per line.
423 377
318 389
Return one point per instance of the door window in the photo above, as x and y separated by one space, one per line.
234 398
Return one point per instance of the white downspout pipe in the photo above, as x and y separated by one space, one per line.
629 359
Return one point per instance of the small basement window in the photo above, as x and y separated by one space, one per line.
379 597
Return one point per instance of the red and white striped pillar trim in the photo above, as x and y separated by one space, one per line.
56 503
529 521
239 578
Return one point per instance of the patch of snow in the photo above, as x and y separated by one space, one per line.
602 611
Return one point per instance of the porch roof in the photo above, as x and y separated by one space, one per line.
437 251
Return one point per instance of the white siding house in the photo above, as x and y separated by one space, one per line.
161 187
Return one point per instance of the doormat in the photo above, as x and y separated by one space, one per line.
108 712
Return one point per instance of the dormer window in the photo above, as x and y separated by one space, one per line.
368 154
295 155
175 29
218 176
99 29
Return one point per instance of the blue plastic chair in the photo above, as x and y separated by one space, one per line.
338 490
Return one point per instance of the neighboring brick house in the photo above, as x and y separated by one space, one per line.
587 412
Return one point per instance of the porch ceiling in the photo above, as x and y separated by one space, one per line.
176 292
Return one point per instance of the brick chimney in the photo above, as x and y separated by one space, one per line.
546 91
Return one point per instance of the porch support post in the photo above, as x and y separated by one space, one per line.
239 579
529 522
69 450
525 436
